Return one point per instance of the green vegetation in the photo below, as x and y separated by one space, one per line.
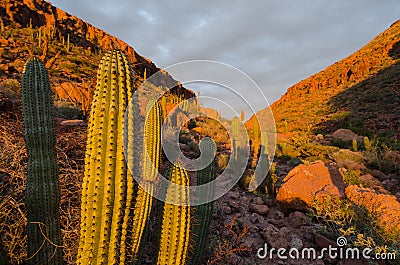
42 188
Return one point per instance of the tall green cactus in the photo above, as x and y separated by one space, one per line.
202 213
174 242
108 186
42 186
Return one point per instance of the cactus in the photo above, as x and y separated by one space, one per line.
42 186
164 107
354 145
242 115
235 127
236 136
68 43
174 242
264 165
264 143
108 186
40 38
203 212
151 161
255 142
367 144
1 26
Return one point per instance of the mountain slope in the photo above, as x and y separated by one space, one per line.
71 48
360 92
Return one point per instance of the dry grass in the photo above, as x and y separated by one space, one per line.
13 165
228 248
13 160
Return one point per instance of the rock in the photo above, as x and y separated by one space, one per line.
258 200
73 123
349 159
382 206
324 242
392 156
296 242
257 208
5 103
278 215
277 238
226 210
369 181
211 113
345 135
319 137
304 184
391 184
234 205
254 229
277 223
297 219
277 218
378 174
254 218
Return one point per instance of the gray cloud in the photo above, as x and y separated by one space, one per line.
277 43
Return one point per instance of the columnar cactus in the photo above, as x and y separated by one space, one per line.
42 186
108 185
236 136
151 161
174 242
256 142
263 171
202 214
264 143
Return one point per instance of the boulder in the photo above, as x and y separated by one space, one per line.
382 206
297 219
305 184
258 208
277 238
345 135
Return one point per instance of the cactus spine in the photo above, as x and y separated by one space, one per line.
151 161
175 230
203 212
42 188
107 190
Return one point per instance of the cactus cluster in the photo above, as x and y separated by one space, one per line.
42 185
115 210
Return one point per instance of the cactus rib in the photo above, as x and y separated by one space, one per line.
42 188
175 231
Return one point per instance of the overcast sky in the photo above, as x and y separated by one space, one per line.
276 42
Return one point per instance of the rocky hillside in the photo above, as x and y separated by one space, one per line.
360 92
71 48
